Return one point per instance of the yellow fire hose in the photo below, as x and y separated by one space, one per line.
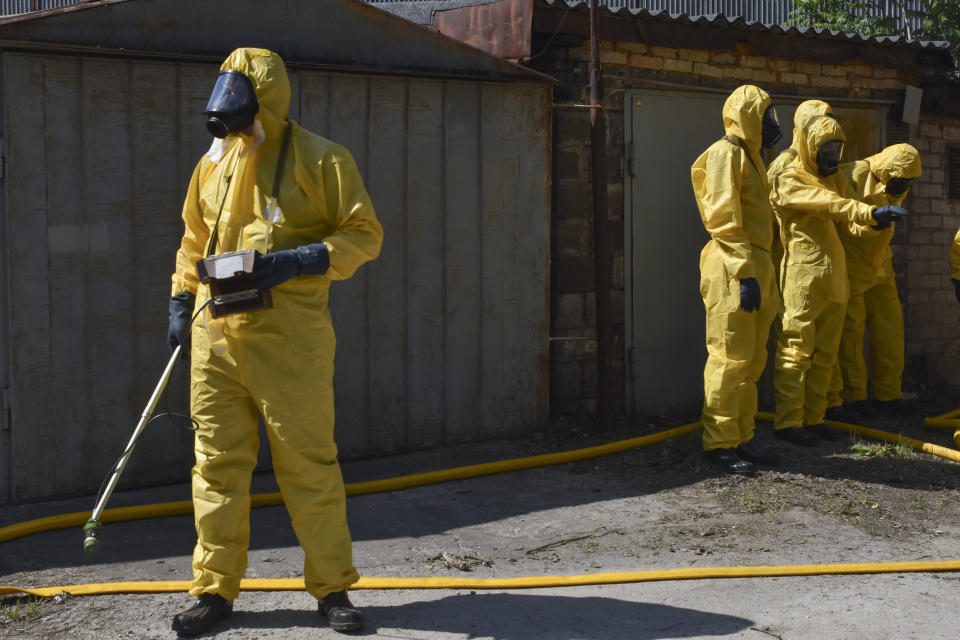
949 420
893 438
185 507
531 582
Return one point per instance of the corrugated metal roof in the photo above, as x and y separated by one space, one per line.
757 15
13 7
771 11
735 22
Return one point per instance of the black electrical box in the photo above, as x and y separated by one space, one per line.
231 285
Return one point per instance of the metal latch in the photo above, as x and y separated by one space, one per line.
631 160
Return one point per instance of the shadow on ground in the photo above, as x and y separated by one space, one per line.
511 616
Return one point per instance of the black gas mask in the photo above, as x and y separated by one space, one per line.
896 187
771 133
233 104
828 157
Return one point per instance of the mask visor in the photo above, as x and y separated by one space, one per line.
232 93
771 132
897 186
828 157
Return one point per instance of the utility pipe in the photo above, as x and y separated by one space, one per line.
601 241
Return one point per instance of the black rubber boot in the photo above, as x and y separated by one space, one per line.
341 615
852 412
824 432
899 407
752 453
207 611
727 461
797 435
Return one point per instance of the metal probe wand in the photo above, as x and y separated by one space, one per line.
91 530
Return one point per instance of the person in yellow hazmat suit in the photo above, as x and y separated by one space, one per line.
737 280
805 110
813 278
298 199
881 179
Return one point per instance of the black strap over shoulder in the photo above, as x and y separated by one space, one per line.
737 142
282 158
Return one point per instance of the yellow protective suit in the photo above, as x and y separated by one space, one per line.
731 191
805 110
955 256
813 277
279 361
873 298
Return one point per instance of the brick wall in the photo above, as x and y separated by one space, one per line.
710 68
931 311
573 344
921 249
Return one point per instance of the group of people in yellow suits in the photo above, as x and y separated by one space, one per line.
822 283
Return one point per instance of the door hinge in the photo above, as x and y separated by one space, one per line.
6 408
631 161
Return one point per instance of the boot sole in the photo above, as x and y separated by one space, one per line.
345 626
189 633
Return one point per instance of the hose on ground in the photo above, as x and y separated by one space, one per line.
527 582
949 420
458 473
185 507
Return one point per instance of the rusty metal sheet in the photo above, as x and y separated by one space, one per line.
501 28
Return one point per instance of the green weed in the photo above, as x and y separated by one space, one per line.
21 608
870 448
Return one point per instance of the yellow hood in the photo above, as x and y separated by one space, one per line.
270 82
895 161
815 132
743 114
806 110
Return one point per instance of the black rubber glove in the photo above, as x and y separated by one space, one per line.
279 266
886 214
181 309
956 285
749 294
